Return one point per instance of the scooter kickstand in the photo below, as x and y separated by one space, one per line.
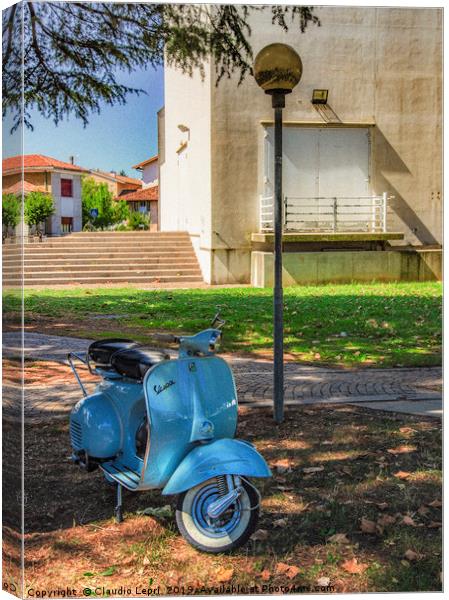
119 507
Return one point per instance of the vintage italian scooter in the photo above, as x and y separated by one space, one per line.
156 423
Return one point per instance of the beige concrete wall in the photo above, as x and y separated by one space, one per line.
112 185
41 179
345 267
382 67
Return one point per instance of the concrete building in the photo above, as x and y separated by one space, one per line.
150 170
35 172
117 184
377 139
145 201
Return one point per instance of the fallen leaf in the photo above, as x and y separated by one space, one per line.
313 469
423 510
158 511
282 567
260 535
411 555
224 575
367 526
435 504
401 450
408 521
283 465
266 575
402 475
285 569
385 520
382 505
434 525
353 566
292 572
338 538
280 523
347 470
317 355
407 430
323 581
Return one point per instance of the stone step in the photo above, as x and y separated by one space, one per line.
105 274
115 244
57 269
105 280
142 267
103 258
126 233
93 262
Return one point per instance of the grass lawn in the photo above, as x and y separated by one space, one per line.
348 325
354 505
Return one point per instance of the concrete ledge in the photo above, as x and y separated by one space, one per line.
302 268
328 237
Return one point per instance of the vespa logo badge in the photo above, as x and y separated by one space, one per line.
161 388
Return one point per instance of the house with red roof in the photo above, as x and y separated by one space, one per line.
117 184
145 201
146 198
149 169
36 172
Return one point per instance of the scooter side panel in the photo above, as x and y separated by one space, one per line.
189 401
222 457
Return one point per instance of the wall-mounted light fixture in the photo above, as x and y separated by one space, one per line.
319 96
183 128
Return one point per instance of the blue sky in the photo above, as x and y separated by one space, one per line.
115 139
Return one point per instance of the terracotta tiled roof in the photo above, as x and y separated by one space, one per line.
119 178
37 162
132 180
144 163
143 195
27 187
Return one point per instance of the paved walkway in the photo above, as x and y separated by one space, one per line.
414 391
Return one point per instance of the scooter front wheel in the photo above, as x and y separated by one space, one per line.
225 533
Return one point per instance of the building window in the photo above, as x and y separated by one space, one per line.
67 188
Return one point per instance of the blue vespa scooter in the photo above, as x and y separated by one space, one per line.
156 423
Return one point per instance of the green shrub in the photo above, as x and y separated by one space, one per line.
120 211
10 211
38 207
139 220
96 195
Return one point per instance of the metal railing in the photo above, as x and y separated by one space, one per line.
328 214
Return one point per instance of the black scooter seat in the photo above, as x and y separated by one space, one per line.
135 362
100 352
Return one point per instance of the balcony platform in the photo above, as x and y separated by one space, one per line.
316 241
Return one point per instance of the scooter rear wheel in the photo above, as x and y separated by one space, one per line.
224 534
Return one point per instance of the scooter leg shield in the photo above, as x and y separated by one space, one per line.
221 457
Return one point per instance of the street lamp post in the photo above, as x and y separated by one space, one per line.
277 69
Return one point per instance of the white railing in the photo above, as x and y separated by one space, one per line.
266 214
328 214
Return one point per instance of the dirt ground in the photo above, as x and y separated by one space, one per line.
354 505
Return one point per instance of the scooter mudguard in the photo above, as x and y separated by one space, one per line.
222 457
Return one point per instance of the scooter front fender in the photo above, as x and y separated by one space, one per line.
222 457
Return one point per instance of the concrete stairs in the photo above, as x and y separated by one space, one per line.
104 258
